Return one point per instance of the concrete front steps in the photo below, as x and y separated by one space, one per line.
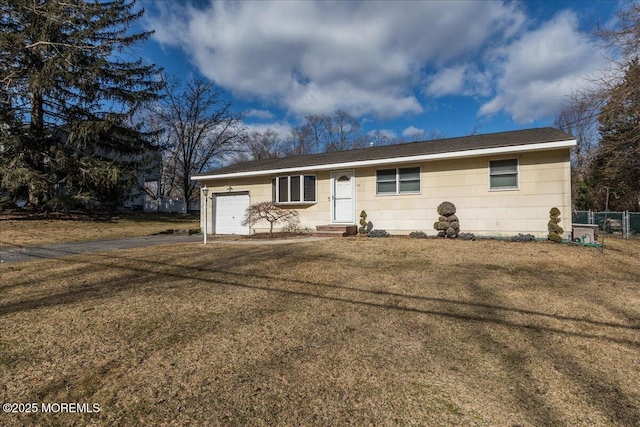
333 230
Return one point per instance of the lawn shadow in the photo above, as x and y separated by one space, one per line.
479 314
598 390
80 293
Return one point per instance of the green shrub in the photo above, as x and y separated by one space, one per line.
446 209
363 223
554 227
555 231
556 238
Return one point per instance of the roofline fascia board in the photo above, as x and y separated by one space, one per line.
395 160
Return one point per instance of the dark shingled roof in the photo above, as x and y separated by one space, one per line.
449 145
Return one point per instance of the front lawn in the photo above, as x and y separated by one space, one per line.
21 229
343 331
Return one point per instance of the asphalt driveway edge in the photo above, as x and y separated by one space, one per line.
61 250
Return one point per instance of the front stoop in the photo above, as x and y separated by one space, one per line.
333 230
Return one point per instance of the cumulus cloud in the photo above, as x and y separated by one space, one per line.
380 59
447 82
541 68
260 114
464 79
310 57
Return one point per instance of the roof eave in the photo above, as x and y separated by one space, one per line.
395 160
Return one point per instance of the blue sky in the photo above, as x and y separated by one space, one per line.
450 67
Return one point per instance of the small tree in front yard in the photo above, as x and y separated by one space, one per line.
268 211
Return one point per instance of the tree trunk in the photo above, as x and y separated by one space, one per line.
35 154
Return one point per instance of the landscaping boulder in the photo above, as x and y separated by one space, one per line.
448 224
417 235
378 233
523 238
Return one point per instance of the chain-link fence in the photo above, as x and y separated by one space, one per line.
633 223
625 223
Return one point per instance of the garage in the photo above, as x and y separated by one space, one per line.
229 213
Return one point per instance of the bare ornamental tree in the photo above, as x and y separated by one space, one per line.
270 212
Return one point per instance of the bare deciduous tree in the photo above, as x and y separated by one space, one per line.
261 145
417 135
343 132
379 138
200 128
333 133
300 141
578 119
318 125
622 40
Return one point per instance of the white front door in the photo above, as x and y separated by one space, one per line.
343 194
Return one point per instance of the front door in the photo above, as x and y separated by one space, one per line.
343 209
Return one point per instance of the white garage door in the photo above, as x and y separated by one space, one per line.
230 211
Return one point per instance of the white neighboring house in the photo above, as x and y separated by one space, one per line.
149 176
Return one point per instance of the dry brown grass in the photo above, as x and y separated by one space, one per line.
345 331
23 230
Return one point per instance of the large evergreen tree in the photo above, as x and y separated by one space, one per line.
617 161
68 88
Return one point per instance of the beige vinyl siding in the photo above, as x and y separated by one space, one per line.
259 189
544 182
543 178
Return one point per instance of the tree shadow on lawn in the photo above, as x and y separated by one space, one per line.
595 388
480 315
309 289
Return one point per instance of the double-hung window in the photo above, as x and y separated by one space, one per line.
398 181
503 174
298 189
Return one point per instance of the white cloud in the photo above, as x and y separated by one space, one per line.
313 57
541 68
446 82
463 79
260 114
381 59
